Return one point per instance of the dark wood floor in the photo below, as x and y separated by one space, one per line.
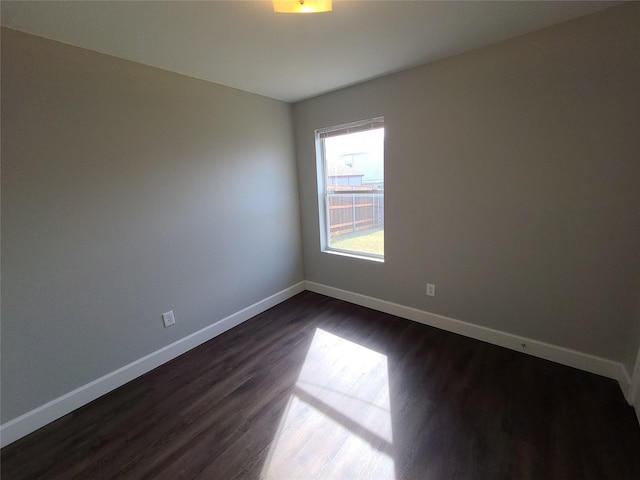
318 388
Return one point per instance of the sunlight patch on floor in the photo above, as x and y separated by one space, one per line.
337 423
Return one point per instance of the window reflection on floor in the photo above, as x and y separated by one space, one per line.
337 423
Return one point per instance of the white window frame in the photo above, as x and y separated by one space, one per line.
323 200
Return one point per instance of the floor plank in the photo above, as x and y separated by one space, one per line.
319 388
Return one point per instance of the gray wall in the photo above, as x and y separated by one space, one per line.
128 191
512 182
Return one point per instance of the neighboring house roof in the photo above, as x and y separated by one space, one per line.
338 169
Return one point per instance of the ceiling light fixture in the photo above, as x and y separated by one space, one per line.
301 6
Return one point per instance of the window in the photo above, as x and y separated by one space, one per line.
351 182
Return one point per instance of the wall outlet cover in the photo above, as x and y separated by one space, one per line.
168 319
431 289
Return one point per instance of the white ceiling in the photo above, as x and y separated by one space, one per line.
290 57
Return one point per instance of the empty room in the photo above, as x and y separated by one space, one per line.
311 239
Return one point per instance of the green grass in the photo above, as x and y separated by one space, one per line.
369 241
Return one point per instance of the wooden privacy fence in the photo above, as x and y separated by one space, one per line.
350 212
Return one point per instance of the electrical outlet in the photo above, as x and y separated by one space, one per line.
431 289
168 319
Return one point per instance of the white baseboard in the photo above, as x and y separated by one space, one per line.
39 417
634 389
564 356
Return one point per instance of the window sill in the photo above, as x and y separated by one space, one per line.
360 256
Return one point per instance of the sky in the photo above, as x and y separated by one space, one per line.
365 149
